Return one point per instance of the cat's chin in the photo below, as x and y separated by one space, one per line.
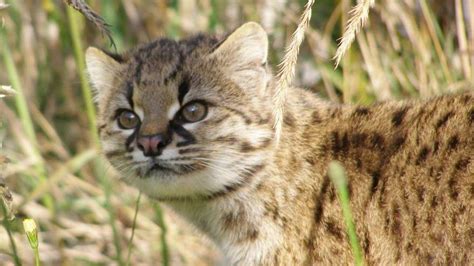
163 184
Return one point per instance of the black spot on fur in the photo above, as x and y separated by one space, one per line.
334 230
366 244
424 152
396 222
444 119
453 142
435 146
315 117
377 140
420 192
398 116
336 112
434 202
361 111
358 139
345 143
336 146
375 181
289 120
470 116
319 200
461 164
453 193
398 143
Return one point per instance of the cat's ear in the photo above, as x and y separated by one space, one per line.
246 46
102 69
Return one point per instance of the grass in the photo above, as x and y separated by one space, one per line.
407 49
338 177
8 228
91 117
31 232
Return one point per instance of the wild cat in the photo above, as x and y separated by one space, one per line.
190 123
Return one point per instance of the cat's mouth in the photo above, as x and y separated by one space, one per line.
159 168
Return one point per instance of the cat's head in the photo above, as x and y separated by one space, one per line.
189 118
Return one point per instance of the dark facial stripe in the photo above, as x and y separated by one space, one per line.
182 132
240 113
183 89
138 70
129 94
177 68
130 139
113 153
189 150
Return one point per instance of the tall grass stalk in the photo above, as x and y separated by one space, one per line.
7 226
23 112
91 116
134 224
31 232
165 256
288 67
432 26
81 67
339 179
359 16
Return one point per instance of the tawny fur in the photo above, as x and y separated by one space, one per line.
410 164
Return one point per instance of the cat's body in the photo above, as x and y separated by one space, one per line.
410 165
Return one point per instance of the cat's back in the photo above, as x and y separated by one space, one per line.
411 176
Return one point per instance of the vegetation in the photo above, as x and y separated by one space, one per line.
55 174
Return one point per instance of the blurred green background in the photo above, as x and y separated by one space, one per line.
409 49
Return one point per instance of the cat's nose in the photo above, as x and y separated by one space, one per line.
152 145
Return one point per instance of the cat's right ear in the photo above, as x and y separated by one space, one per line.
102 69
246 47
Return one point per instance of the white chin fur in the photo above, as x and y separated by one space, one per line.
203 182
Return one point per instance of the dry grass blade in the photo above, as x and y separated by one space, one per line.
287 68
6 199
359 15
93 17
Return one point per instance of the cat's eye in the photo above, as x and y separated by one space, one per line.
128 119
194 112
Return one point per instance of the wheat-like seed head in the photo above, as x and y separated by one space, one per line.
287 68
359 15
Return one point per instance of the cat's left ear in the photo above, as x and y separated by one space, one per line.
102 68
247 46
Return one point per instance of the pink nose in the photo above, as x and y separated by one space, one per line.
150 145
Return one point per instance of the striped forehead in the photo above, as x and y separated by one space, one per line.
154 98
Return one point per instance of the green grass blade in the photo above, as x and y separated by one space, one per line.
164 244
339 179
7 225
91 116
24 114
134 224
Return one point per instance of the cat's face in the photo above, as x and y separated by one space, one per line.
189 118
